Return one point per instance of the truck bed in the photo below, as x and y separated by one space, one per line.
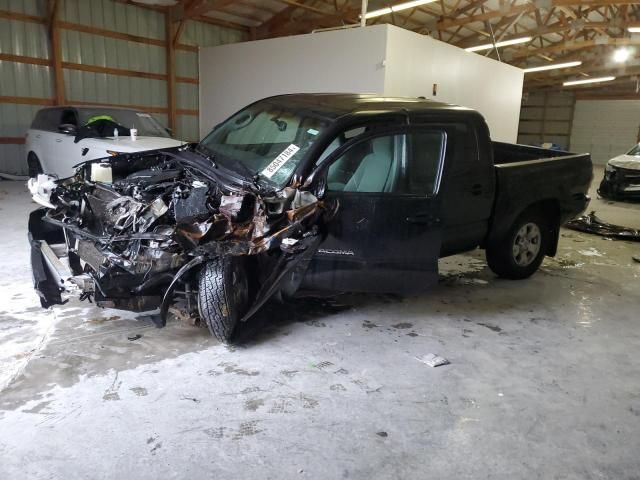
505 153
530 175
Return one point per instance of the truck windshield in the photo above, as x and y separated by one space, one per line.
266 139
146 125
635 151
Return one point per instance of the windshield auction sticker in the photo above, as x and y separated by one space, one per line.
280 160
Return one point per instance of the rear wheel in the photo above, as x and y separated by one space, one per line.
520 252
222 295
33 165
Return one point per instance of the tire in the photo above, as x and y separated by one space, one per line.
222 295
33 165
520 252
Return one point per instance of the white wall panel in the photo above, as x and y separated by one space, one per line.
231 76
377 59
415 62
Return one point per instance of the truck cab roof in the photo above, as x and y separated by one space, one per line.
336 105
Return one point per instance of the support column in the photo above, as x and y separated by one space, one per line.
56 52
171 70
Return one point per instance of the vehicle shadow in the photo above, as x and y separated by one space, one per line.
274 318
460 295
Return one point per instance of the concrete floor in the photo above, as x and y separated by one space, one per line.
544 380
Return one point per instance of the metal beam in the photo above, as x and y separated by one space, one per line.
170 32
56 52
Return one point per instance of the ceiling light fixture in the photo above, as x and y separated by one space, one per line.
396 8
503 43
588 80
552 66
621 55
633 29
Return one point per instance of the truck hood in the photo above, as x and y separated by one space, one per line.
126 145
628 162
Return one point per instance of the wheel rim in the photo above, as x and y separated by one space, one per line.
526 244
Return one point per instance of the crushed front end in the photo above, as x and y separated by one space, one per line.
132 232
620 182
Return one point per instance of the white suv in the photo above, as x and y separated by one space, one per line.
57 138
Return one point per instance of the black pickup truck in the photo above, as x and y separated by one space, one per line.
321 192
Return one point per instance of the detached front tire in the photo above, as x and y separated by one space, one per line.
222 295
520 252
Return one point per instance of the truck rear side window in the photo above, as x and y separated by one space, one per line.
425 168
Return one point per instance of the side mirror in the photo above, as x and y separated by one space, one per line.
316 182
67 129
169 131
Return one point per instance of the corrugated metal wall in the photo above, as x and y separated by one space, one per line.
605 128
33 84
546 117
19 79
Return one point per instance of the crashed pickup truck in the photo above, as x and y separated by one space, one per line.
299 193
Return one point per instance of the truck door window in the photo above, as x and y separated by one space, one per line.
370 166
340 140
425 168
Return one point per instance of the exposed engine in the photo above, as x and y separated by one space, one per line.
136 225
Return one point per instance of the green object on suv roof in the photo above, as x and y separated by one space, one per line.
100 117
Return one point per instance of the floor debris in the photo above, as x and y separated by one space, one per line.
192 399
135 337
433 360
592 224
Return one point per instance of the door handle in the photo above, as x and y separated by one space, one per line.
423 219
476 189
58 140
38 136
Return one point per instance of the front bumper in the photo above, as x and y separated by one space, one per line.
47 270
620 183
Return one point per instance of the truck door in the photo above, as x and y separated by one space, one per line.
469 188
387 234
